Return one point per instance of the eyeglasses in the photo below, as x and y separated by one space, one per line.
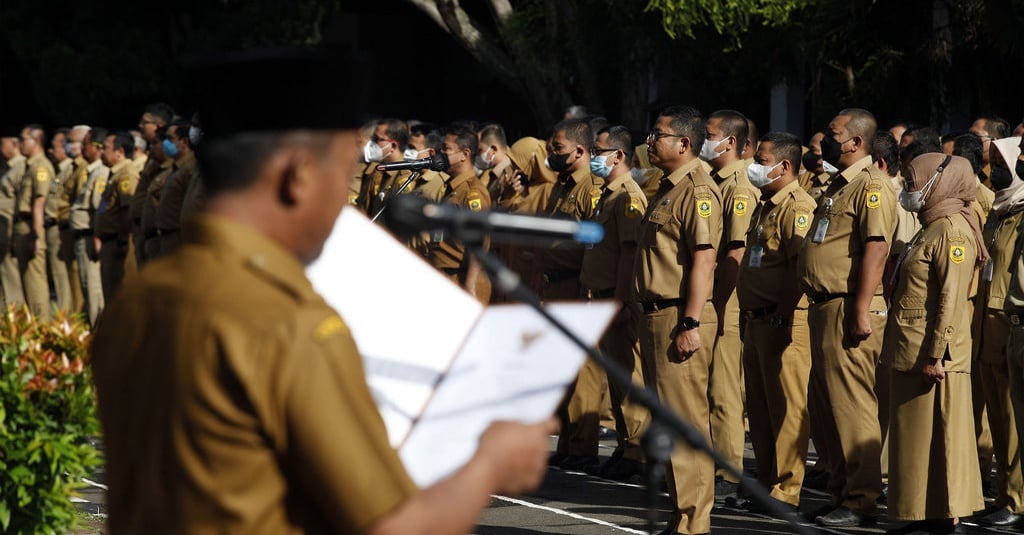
594 151
377 139
653 136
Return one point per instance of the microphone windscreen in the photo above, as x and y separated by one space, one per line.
439 162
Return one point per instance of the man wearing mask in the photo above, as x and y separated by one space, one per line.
69 187
56 211
168 215
1001 235
30 221
727 133
83 216
113 222
151 197
841 269
10 179
607 273
427 141
677 321
386 145
776 348
492 158
818 175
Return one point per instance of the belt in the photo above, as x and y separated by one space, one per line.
817 299
659 304
81 233
108 237
64 225
602 294
563 275
49 222
453 271
1015 319
22 216
758 313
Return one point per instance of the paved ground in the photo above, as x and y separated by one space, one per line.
574 503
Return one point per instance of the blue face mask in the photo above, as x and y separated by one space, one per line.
170 149
599 166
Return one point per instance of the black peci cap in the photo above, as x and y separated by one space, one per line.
280 89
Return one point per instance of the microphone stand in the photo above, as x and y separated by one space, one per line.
665 424
387 198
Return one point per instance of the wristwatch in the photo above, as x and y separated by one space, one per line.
688 324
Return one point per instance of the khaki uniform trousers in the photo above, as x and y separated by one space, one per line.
58 269
725 390
994 376
844 376
683 388
982 432
32 268
883 378
1015 372
89 276
933 466
621 344
67 256
14 294
113 254
777 369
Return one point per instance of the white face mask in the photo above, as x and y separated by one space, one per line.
758 174
194 135
913 201
411 154
829 168
709 148
372 152
482 162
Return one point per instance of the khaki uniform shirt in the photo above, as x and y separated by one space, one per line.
168 212
63 187
464 191
983 204
739 199
377 185
686 215
140 163
907 224
233 399
149 171
152 198
14 170
195 198
573 196
113 216
79 175
774 242
927 316
36 182
90 194
1000 237
620 211
815 184
863 206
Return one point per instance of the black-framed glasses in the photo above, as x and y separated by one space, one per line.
654 135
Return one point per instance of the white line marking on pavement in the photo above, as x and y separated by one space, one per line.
95 484
568 514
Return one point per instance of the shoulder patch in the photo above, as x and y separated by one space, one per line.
633 209
328 327
595 198
739 205
873 185
956 254
874 197
41 174
802 220
124 186
474 202
704 207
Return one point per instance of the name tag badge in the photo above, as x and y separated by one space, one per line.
756 252
819 232
986 272
437 236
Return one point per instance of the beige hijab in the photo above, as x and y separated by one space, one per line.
529 154
1011 199
953 191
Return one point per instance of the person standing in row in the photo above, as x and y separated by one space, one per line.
168 213
83 217
30 221
10 179
113 218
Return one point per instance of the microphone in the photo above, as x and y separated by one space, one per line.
414 214
437 162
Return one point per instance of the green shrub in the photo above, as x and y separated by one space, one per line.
47 413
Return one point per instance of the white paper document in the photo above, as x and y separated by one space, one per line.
442 367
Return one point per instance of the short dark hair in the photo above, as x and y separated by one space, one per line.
920 145
181 127
733 123
434 139
576 130
231 163
64 131
885 148
161 133
862 123
421 129
970 147
493 133
686 121
466 139
162 113
598 123
907 125
397 130
785 146
619 138
98 134
925 134
996 126
124 141
41 136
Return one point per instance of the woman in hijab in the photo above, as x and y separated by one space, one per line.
933 464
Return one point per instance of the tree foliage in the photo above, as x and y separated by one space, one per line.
731 18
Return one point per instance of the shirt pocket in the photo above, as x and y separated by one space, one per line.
911 311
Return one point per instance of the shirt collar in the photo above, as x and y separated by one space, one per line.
616 183
729 170
781 195
856 168
683 170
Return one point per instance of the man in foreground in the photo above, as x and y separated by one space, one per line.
232 396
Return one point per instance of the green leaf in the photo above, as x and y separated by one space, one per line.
5 516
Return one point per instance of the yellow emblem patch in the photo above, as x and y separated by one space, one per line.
739 206
353 197
802 221
956 254
704 208
328 328
42 175
595 198
475 204
874 198
124 186
633 208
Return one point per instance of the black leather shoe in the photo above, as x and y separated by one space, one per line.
843 517
577 462
758 508
619 469
812 516
1002 518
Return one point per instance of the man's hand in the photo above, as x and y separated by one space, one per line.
36 247
858 327
934 371
517 454
94 255
687 343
